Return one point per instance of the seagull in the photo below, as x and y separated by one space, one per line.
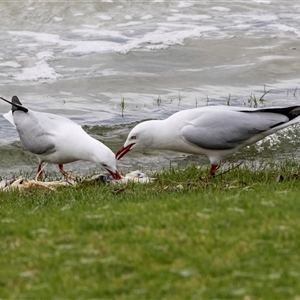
213 131
58 140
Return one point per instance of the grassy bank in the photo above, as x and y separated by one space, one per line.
235 236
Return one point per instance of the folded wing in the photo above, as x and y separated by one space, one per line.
223 130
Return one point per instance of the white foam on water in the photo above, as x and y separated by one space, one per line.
177 17
10 64
239 66
166 35
72 46
95 47
126 28
276 57
240 27
286 28
46 55
221 8
183 4
150 32
175 37
97 32
42 37
248 18
41 70
156 47
131 23
147 17
78 14
104 17
57 19
262 1
263 17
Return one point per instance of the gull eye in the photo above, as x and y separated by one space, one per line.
133 137
104 165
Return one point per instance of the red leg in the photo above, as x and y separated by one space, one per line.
62 171
40 172
65 174
212 169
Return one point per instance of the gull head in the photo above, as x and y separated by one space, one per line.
109 163
139 138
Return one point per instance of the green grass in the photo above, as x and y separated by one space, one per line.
235 236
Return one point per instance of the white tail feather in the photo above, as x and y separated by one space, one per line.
9 117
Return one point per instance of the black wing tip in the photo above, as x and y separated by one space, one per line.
291 112
15 99
16 104
296 111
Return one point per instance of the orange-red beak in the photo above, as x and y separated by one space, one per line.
123 150
115 175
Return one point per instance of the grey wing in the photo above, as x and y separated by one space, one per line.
228 129
37 141
34 136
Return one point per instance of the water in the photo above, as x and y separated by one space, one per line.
81 59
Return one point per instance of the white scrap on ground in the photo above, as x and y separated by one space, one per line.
28 184
135 176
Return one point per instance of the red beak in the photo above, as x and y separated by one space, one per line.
115 175
122 151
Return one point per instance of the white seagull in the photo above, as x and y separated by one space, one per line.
58 140
214 131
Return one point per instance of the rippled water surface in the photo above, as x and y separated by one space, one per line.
81 59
